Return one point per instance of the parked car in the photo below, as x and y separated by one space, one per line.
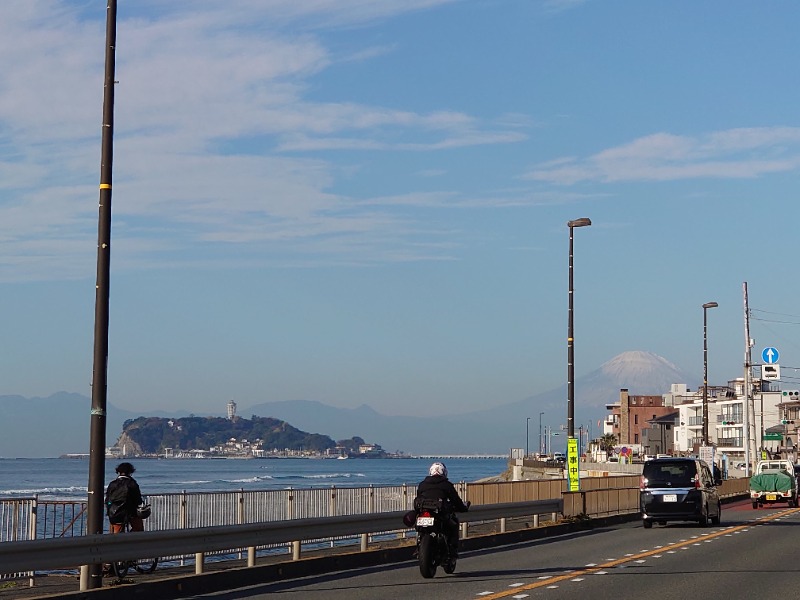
679 489
559 457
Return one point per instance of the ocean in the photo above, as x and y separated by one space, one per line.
67 478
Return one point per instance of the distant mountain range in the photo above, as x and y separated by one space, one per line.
59 424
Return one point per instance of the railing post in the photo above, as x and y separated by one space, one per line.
199 560
32 532
289 515
251 556
332 507
536 520
463 493
296 550
240 517
404 535
370 510
183 517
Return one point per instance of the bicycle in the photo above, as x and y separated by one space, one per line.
141 565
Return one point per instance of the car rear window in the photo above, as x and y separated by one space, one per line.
669 474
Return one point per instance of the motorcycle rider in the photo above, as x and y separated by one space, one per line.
436 486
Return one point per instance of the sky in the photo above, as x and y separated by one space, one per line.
365 201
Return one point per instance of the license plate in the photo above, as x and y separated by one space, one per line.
424 521
670 497
772 497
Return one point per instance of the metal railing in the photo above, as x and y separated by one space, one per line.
287 519
99 549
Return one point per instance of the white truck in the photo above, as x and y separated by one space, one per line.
774 481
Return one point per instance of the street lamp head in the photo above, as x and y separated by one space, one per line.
584 222
710 305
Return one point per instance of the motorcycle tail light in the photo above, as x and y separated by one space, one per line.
425 513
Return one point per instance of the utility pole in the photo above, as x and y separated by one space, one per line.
91 577
748 408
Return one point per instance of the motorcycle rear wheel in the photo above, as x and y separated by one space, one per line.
450 565
427 548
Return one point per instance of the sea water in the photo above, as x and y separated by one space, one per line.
67 478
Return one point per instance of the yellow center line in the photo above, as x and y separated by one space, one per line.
620 561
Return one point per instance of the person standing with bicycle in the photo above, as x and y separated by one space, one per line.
123 499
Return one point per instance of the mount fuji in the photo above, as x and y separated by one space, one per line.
492 430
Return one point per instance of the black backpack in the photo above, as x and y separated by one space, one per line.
116 500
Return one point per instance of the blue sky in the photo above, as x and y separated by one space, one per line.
358 201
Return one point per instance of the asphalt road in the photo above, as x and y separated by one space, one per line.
750 555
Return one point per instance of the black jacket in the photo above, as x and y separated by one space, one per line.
436 487
123 497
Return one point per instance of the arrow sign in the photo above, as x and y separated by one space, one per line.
770 355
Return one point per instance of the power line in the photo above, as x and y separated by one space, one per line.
767 320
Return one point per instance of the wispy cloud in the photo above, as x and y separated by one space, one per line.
732 154
213 115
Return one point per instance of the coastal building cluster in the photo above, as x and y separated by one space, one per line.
234 448
672 423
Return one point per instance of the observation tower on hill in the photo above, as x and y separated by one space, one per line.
231 410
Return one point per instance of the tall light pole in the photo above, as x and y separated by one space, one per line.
706 306
541 441
527 435
584 222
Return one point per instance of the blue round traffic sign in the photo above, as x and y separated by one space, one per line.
770 355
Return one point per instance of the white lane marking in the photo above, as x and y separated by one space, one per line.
485 593
516 584
518 596
592 565
577 579
552 587
601 572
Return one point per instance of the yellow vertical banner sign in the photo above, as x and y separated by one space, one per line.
573 465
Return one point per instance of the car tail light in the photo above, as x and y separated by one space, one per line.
642 483
697 481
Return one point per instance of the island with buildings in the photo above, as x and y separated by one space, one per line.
232 437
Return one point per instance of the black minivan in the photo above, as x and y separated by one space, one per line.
679 489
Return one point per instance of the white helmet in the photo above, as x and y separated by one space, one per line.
438 468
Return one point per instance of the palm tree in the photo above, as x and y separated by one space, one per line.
607 442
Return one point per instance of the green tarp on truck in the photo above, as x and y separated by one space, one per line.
776 481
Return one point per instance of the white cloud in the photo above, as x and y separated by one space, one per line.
731 154
212 109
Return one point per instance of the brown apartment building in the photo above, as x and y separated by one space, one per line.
632 414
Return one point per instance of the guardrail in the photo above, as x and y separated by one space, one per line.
172 536
98 549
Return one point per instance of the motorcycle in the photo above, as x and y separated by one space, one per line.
432 547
